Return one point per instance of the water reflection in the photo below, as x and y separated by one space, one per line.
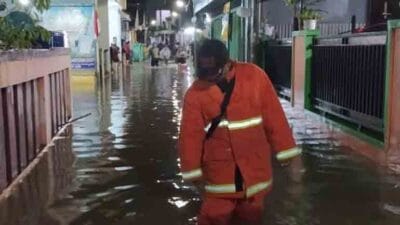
126 167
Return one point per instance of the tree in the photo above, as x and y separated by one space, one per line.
42 5
19 29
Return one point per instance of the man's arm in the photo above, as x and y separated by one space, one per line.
191 139
275 123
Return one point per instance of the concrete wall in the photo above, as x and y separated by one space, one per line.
104 39
338 11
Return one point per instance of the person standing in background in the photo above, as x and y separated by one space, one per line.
165 54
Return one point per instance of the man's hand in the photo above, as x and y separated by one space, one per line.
295 168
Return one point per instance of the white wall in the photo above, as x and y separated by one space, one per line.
104 39
114 22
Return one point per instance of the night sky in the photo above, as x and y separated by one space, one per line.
150 6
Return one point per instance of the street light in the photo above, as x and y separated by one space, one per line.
208 18
24 2
175 14
153 22
180 3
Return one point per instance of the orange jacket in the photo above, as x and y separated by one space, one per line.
255 127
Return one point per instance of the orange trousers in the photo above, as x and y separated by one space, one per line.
225 211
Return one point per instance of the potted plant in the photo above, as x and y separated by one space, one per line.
298 6
310 18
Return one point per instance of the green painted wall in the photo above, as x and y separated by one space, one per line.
216 28
236 40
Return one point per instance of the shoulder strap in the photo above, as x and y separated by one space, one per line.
227 88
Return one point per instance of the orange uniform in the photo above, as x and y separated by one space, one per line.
254 128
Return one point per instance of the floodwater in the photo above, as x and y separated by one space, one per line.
126 169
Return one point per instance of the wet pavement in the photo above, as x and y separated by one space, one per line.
126 169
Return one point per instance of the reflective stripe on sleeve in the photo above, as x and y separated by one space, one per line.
287 154
192 174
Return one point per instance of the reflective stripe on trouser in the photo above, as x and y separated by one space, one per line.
231 188
238 125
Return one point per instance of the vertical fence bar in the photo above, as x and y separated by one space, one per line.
36 117
372 78
376 85
361 77
62 89
375 53
20 126
336 52
346 60
365 77
359 82
381 67
45 113
11 135
58 92
53 104
30 134
68 94
341 80
3 159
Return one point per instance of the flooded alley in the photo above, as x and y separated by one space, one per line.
126 170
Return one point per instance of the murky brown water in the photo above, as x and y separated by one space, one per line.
126 168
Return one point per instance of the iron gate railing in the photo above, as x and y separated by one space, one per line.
278 61
283 31
348 79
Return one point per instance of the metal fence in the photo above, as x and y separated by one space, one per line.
35 103
278 61
283 31
348 78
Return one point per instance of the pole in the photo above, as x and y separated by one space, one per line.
253 29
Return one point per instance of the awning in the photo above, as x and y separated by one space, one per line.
212 5
125 16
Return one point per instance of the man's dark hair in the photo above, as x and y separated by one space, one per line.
215 49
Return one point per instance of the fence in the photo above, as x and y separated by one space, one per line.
35 103
348 78
284 31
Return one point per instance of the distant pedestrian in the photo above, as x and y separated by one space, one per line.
114 55
155 55
165 54
181 56
127 51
